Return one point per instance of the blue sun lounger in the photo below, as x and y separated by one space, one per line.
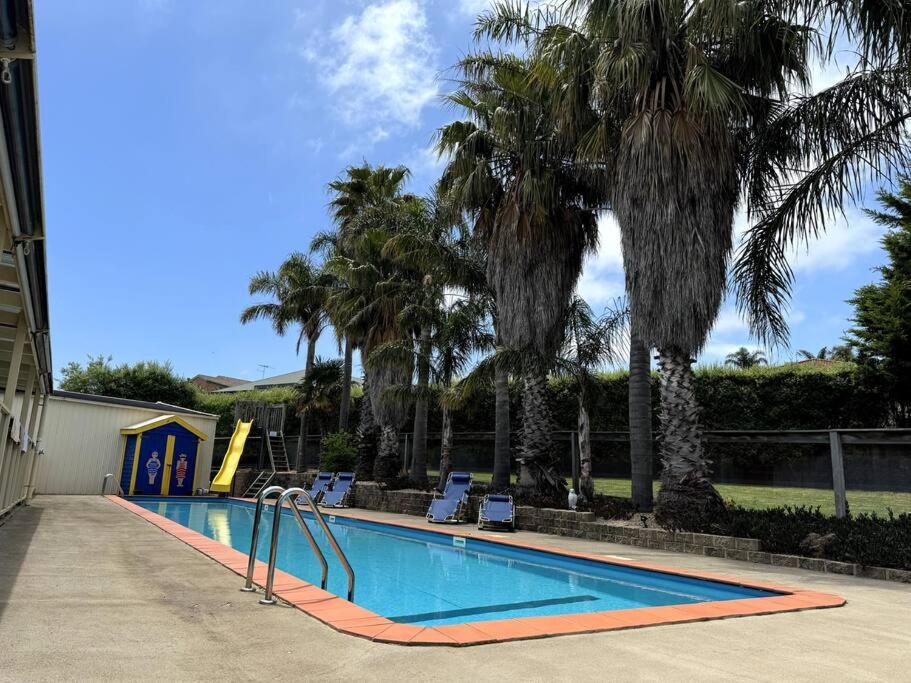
320 485
448 508
339 494
497 511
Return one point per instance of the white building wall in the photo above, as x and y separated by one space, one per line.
81 442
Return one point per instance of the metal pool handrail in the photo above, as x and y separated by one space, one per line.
290 494
335 547
104 484
254 538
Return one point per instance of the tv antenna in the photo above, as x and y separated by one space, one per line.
263 367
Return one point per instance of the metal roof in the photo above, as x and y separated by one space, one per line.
289 379
112 400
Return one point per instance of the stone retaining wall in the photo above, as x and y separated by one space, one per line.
585 525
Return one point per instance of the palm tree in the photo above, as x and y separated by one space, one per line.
436 256
290 288
320 391
744 359
360 188
367 309
822 354
817 151
664 96
509 170
640 425
589 344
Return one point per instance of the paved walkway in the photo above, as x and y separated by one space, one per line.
89 591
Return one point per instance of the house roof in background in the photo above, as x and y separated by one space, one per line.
289 379
223 380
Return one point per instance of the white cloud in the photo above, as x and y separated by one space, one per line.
729 321
379 67
425 166
602 274
473 7
850 237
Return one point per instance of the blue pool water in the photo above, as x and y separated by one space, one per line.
421 577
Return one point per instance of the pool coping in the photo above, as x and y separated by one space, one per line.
346 617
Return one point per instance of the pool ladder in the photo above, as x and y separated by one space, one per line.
291 496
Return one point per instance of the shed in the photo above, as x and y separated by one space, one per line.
82 440
160 457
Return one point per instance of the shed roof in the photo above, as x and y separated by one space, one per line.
157 405
161 421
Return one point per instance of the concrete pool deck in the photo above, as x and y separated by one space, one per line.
91 591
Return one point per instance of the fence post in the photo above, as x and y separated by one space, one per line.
574 456
838 473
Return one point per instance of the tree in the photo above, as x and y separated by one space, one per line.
589 344
822 354
843 353
640 425
367 309
292 304
744 359
360 188
143 381
882 311
438 259
531 207
664 96
816 152
319 393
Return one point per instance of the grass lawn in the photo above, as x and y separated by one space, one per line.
772 496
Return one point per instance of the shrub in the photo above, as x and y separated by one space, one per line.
223 406
338 452
143 381
865 539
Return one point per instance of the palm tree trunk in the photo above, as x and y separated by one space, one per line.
445 448
366 436
501 464
300 457
586 482
388 466
345 400
418 472
640 424
537 471
686 491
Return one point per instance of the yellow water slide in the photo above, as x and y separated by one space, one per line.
222 481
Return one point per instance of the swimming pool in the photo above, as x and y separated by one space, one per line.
426 578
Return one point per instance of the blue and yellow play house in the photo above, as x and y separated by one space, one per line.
160 456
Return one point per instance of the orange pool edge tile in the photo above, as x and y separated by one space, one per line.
352 619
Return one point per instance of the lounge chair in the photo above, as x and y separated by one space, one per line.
339 494
320 485
448 508
497 511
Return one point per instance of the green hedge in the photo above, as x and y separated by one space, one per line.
781 397
864 539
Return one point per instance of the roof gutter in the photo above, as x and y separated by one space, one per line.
20 168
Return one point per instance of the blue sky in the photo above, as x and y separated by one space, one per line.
187 144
